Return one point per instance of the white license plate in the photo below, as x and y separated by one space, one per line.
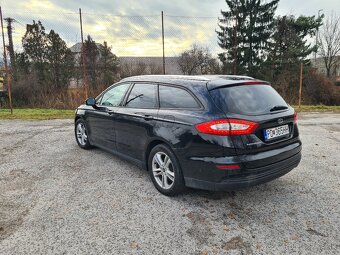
276 132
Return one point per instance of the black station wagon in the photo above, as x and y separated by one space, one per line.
206 132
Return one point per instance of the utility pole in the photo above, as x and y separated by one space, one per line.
10 40
235 41
300 89
317 37
8 76
83 54
163 43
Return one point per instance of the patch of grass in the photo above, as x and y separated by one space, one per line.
51 114
36 114
317 108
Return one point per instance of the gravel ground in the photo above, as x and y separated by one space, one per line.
56 198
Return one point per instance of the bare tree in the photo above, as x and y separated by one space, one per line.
197 60
155 69
329 43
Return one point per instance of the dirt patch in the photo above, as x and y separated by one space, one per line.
333 128
200 229
11 217
237 243
15 188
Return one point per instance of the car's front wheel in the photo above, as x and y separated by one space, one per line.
165 171
81 135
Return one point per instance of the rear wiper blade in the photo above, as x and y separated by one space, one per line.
278 108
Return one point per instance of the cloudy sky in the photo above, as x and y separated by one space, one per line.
133 28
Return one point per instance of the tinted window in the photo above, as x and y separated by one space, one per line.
114 96
142 96
248 99
172 97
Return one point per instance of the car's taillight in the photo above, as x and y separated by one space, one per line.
255 83
227 127
295 117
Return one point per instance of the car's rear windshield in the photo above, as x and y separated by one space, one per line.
247 99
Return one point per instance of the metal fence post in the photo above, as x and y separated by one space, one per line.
300 89
163 43
83 54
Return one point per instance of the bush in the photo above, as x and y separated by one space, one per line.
318 89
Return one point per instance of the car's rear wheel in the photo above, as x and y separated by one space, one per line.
165 171
81 135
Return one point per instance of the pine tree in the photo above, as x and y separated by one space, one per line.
60 60
91 52
47 55
22 64
245 30
109 65
34 44
290 43
291 46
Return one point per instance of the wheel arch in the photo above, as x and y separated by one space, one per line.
77 118
152 144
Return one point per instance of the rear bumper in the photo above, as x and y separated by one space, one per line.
249 177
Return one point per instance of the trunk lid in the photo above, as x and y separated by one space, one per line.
261 104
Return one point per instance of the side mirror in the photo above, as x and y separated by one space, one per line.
91 102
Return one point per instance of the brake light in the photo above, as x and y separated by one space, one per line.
255 83
227 127
295 117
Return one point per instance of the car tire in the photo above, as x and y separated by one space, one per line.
81 135
165 171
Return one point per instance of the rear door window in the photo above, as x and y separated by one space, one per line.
173 97
247 99
143 96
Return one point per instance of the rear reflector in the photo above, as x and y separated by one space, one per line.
295 117
228 167
227 127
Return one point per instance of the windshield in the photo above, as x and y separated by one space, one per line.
248 99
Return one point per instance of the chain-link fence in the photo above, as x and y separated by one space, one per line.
146 44
135 41
132 38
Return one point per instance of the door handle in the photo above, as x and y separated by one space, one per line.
147 117
110 112
144 116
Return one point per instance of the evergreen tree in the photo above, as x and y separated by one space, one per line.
35 48
91 52
46 57
291 46
290 41
60 60
34 42
21 65
245 30
101 64
109 65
